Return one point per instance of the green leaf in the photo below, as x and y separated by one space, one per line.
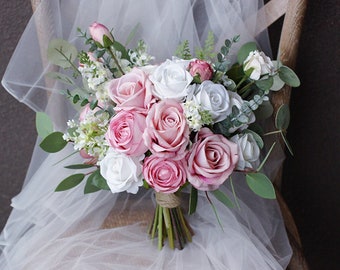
89 188
223 198
265 84
244 51
288 76
53 143
193 200
98 180
60 77
264 111
261 185
277 83
107 41
70 182
282 118
61 53
43 124
119 47
79 166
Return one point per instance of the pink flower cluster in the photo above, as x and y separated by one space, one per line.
144 124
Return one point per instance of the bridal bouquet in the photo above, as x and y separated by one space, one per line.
189 122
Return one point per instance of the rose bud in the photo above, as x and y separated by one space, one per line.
98 31
200 70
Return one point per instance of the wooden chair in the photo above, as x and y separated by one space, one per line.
293 12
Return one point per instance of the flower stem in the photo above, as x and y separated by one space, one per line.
116 61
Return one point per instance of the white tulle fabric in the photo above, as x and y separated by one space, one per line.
49 230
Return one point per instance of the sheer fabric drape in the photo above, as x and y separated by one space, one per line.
49 230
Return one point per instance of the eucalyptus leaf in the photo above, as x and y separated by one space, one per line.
89 188
244 51
265 84
288 76
282 118
264 111
98 180
260 184
79 166
60 77
61 53
53 143
43 124
277 83
70 182
223 198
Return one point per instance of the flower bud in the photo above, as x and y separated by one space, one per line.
98 31
201 69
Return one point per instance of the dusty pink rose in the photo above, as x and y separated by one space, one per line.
125 133
211 160
167 132
164 175
97 32
202 69
132 90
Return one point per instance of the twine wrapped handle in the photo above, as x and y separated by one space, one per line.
168 200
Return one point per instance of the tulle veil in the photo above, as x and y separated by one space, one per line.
49 230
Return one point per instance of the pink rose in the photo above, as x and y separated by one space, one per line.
98 31
164 175
167 132
132 90
211 160
201 69
125 133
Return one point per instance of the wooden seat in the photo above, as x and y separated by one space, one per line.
293 12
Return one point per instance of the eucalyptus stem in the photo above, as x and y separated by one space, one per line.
116 60
75 69
272 132
241 81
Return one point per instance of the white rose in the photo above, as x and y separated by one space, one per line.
260 63
248 150
236 100
171 80
214 98
122 173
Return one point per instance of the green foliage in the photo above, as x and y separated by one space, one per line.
43 124
183 50
70 182
288 76
265 84
89 187
264 111
53 143
208 51
61 53
97 180
223 198
79 166
193 200
245 50
260 184
60 77
282 118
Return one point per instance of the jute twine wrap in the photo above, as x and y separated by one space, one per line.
168 200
